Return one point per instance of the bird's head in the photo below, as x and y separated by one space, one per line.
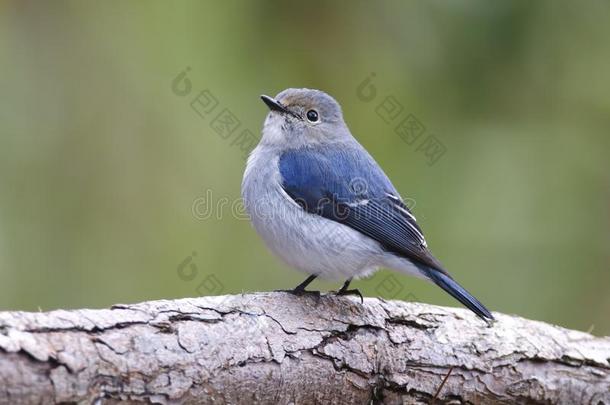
301 117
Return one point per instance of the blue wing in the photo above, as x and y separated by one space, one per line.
347 186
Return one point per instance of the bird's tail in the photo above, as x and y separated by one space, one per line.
458 292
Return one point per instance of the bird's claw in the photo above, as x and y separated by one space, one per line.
354 291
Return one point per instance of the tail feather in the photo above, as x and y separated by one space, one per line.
458 292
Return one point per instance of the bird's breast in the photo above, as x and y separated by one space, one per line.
306 241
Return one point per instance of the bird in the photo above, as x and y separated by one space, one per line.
323 205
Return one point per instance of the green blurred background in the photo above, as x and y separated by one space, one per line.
104 169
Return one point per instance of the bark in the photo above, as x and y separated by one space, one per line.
278 348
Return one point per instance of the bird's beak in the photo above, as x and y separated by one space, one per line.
273 104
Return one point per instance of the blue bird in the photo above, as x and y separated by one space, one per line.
323 205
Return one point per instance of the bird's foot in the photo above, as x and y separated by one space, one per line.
354 291
300 290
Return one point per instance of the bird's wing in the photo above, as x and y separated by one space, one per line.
346 185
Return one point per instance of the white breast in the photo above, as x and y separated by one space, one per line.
308 242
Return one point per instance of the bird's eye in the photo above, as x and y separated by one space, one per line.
312 115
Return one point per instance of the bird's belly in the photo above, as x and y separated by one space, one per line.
311 243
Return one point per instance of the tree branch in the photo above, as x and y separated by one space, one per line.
279 348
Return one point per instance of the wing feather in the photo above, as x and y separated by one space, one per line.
322 182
